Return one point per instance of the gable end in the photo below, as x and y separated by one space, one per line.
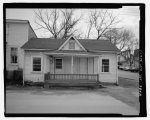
71 44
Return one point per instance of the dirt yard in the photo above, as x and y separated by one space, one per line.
121 99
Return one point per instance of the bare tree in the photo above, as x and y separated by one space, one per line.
101 21
128 43
113 35
127 37
59 23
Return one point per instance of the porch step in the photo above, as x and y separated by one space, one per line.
72 83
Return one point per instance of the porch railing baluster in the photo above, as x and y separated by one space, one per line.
49 76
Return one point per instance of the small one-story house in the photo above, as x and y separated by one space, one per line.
71 61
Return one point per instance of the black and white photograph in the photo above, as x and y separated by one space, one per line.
74 59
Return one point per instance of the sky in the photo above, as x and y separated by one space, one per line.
129 16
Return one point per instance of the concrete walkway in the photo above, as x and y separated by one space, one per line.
64 101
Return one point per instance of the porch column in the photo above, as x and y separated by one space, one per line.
71 64
98 67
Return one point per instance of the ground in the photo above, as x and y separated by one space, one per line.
128 74
122 99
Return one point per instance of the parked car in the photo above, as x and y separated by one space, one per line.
126 68
121 67
134 69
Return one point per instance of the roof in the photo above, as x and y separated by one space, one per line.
54 44
17 21
20 22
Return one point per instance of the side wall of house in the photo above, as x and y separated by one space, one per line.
111 76
29 74
16 36
31 33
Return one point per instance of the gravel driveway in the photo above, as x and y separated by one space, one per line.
64 101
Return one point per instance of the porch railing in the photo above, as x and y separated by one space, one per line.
49 76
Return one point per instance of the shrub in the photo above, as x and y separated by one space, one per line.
14 77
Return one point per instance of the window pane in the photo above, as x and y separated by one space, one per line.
13 51
106 69
105 61
36 60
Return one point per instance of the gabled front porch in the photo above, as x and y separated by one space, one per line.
72 69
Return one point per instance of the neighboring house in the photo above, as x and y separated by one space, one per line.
128 59
70 60
18 32
136 58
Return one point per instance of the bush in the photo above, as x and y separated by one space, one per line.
14 77
31 83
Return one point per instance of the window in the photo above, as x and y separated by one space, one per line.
58 63
36 64
14 55
105 65
71 44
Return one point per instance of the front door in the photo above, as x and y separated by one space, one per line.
83 66
58 66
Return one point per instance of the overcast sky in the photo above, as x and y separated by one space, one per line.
129 16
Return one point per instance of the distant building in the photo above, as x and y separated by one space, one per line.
18 32
136 58
128 59
123 57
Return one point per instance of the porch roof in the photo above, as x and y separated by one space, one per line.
71 52
54 44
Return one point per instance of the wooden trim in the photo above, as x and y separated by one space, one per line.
68 40
70 54
93 65
87 66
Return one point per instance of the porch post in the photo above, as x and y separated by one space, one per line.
98 68
98 65
71 64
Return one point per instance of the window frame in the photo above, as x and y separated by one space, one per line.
61 64
33 65
102 67
13 63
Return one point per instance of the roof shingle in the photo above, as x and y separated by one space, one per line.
54 44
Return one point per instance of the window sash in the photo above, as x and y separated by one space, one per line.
105 68
105 65
58 63
36 64
14 59
14 55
